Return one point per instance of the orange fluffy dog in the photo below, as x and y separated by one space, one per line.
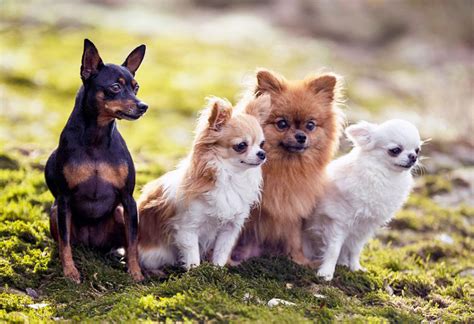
302 135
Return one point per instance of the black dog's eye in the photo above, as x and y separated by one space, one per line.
136 89
115 88
240 148
261 144
417 150
282 124
311 125
395 151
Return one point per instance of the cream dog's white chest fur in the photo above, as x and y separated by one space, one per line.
220 212
233 194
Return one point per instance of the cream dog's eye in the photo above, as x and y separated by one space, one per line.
240 148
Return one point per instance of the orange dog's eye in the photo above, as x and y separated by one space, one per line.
311 125
282 124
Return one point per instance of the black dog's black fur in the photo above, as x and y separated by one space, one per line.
91 173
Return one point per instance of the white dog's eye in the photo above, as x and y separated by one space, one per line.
395 151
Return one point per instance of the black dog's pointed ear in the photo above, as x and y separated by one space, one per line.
91 61
134 59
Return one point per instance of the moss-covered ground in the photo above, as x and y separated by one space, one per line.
412 273
419 269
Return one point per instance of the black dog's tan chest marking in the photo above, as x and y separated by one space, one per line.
77 173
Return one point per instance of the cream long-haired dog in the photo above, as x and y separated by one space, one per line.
198 209
365 188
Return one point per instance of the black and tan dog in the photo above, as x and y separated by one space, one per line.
91 173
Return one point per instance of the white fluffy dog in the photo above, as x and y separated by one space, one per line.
364 190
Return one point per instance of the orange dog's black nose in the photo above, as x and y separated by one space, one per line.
300 137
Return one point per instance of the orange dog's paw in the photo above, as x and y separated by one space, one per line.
314 264
232 263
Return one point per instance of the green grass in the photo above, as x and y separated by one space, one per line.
412 275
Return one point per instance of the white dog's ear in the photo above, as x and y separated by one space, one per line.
361 134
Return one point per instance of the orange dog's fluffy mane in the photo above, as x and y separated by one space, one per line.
293 182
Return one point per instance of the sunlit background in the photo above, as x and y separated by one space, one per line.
406 59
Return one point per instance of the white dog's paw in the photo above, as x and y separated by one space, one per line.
358 267
343 263
326 274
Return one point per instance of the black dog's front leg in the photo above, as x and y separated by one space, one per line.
131 232
63 221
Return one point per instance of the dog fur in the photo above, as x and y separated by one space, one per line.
364 190
293 176
198 209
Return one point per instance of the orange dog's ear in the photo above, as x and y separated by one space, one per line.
221 112
324 85
268 82
260 108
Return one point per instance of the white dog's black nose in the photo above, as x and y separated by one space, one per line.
412 157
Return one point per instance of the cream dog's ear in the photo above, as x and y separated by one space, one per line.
221 112
361 134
